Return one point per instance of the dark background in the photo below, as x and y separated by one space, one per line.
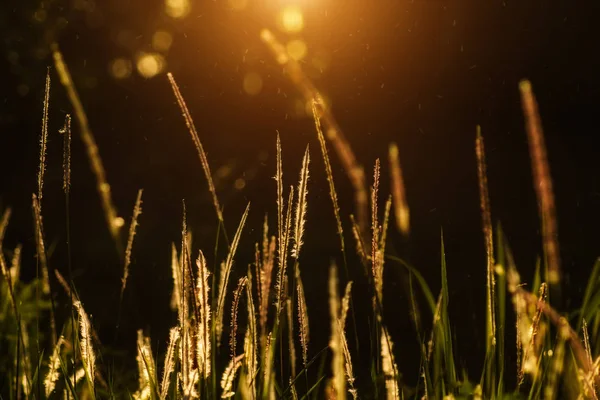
421 73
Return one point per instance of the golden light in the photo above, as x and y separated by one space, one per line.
177 8
120 68
292 19
296 49
162 41
252 83
150 64
237 5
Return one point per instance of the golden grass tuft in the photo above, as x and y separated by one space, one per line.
301 205
388 365
88 355
169 364
53 368
229 376
203 345
146 368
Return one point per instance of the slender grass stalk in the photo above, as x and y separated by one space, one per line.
590 292
226 271
114 222
557 365
291 345
360 245
542 181
237 294
250 342
197 143
41 252
489 378
332 191
66 132
281 254
44 139
500 270
341 326
176 295
401 209
389 367
203 328
5 271
302 318
301 206
335 341
375 232
265 274
137 210
281 273
169 365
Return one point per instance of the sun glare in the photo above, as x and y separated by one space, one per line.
177 8
292 19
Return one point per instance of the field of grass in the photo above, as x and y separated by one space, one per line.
250 339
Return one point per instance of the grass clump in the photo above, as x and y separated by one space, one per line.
554 360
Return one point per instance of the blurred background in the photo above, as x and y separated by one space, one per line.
420 73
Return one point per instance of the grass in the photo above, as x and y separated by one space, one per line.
557 354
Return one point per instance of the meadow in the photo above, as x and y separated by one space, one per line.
251 338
